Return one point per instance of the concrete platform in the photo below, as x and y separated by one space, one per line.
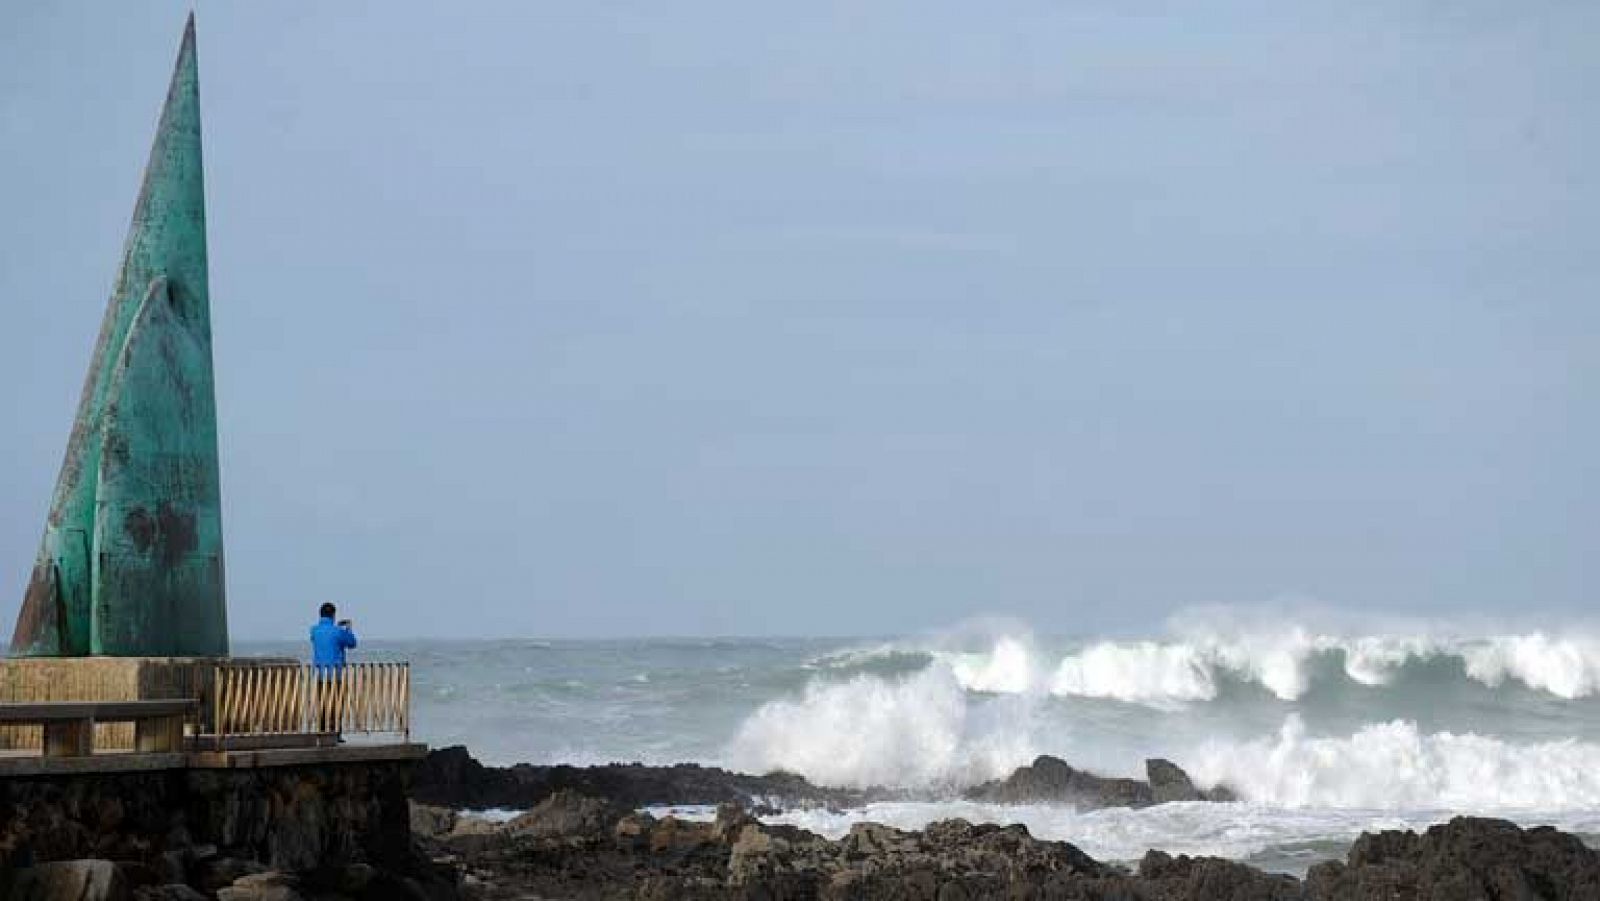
271 757
23 763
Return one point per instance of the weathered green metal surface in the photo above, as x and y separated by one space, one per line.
131 561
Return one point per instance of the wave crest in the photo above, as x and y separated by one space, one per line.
919 731
1141 673
1286 663
1567 667
926 732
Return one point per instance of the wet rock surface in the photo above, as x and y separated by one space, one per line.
584 838
1053 780
323 833
71 880
1168 783
451 777
1465 858
634 855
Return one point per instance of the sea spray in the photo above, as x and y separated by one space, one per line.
1565 666
920 731
1143 672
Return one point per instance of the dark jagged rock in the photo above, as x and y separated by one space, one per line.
220 872
71 880
172 892
738 857
1182 877
340 831
567 813
1053 780
1168 782
1467 857
450 777
270 886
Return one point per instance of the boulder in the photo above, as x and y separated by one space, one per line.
219 872
356 878
71 880
470 824
673 834
450 777
566 814
428 821
1051 779
270 886
750 857
1220 794
632 831
730 823
1168 782
174 892
1213 878
1468 857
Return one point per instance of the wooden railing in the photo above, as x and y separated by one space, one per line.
256 700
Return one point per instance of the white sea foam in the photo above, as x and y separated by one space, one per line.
1394 766
1005 669
1374 659
919 731
1565 666
1142 672
927 731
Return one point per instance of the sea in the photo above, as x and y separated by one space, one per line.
1322 732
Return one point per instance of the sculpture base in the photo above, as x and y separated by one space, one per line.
104 679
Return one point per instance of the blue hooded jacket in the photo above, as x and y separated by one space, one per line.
328 643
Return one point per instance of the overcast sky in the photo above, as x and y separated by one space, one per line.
624 318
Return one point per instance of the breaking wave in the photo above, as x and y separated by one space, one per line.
926 732
1287 714
1287 661
918 731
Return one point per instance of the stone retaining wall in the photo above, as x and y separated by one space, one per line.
289 818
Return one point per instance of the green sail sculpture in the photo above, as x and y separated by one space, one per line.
131 561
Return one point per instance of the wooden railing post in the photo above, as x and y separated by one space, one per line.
291 699
219 688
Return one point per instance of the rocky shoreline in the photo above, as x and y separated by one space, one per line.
450 777
585 838
582 836
584 849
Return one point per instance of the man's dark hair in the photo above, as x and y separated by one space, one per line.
327 611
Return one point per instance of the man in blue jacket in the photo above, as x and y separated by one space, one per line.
329 641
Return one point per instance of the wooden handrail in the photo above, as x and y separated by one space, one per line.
288 699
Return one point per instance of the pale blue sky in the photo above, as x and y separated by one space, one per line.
711 318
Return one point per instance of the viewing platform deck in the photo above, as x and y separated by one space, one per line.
126 715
